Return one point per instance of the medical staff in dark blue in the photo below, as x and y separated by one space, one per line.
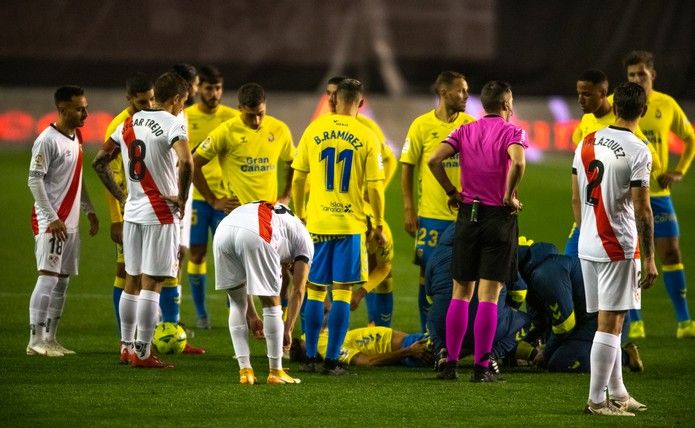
438 286
556 303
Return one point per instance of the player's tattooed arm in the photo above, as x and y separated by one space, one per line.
644 219
103 170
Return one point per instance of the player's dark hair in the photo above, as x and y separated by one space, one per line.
492 95
251 95
594 76
639 57
296 353
210 74
168 85
349 90
185 71
629 99
446 78
336 79
137 83
65 93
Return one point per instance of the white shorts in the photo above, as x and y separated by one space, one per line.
241 256
612 286
151 249
53 255
186 221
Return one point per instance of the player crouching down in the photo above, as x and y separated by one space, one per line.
250 245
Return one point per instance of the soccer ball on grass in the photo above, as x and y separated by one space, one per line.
169 338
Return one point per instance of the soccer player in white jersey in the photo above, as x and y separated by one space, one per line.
55 180
250 246
152 143
610 201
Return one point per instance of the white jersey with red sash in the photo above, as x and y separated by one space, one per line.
149 163
58 159
608 163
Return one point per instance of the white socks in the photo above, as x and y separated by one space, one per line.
238 328
127 309
147 313
604 351
616 387
38 307
55 308
273 329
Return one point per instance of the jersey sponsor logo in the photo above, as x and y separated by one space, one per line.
337 207
261 164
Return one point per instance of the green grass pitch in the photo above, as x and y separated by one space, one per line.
92 389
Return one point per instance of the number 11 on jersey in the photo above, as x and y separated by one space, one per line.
344 157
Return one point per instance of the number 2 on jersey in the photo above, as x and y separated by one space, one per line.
595 175
136 164
345 156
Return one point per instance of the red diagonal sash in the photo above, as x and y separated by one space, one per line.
69 199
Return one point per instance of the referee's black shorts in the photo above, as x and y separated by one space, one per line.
487 248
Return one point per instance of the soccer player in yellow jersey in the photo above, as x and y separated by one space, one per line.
378 290
203 117
341 159
373 346
249 148
379 297
140 95
387 156
426 132
664 116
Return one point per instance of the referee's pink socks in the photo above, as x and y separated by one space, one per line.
484 329
456 325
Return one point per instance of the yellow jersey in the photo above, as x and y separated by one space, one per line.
663 116
115 208
200 124
249 157
424 136
340 155
590 123
365 340
387 155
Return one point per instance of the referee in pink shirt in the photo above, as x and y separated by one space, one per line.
491 156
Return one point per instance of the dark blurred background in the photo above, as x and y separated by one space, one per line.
396 46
